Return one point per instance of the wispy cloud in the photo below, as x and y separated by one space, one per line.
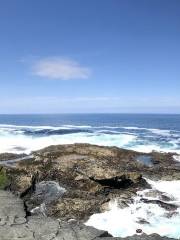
60 68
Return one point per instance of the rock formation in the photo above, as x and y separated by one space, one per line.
72 182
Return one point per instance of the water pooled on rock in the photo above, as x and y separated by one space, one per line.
146 160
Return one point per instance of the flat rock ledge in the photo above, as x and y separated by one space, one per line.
15 225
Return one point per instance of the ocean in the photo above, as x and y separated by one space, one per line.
141 132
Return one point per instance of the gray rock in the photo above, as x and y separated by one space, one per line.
49 191
15 225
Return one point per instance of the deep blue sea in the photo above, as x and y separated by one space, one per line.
141 132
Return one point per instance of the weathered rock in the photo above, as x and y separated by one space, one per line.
167 206
92 176
48 191
10 156
14 224
157 194
4 179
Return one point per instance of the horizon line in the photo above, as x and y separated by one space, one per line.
81 113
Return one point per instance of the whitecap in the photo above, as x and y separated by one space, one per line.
176 158
31 138
77 126
15 142
125 222
134 128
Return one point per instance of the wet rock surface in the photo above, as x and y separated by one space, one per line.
75 181
10 156
90 175
10 159
166 206
15 224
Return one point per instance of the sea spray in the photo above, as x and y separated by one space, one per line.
24 139
149 217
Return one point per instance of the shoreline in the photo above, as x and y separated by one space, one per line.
92 177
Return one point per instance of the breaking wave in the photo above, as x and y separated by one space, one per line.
20 139
149 217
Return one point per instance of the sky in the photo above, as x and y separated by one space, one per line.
89 56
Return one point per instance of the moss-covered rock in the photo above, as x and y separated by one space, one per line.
4 181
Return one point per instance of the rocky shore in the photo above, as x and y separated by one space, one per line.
15 224
56 189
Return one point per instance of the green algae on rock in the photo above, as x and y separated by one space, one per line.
4 181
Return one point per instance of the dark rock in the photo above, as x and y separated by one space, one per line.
142 221
92 176
14 225
10 156
167 206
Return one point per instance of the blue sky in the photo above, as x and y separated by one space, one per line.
89 56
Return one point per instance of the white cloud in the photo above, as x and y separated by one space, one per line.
59 68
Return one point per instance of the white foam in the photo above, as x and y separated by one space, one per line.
14 139
171 188
65 126
176 158
7 127
133 128
125 222
26 126
161 132
25 143
112 131
148 148
77 126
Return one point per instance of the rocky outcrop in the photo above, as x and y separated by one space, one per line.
10 156
16 224
90 175
72 182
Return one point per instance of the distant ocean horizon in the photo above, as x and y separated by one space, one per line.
141 132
